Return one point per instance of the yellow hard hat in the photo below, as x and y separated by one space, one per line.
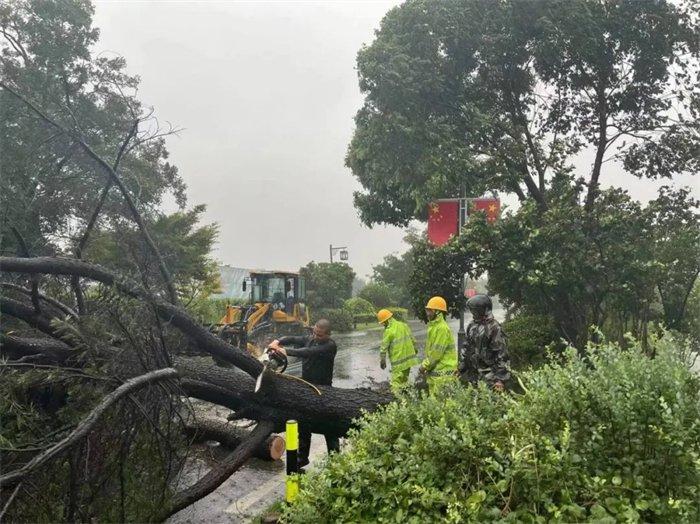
383 315
437 303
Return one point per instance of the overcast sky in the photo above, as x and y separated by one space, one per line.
266 94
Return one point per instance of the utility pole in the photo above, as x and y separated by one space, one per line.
463 203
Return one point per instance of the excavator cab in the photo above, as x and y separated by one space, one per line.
277 308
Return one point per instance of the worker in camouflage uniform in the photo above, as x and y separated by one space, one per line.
399 343
484 355
440 364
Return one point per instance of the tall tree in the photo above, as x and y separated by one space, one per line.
475 95
80 151
328 284
395 272
675 218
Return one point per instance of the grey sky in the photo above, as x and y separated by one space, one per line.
266 93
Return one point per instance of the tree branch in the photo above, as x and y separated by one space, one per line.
168 312
34 279
115 179
49 300
75 281
87 423
17 309
220 472
600 150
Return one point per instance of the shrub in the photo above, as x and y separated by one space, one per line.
364 319
528 336
377 293
613 437
359 306
341 319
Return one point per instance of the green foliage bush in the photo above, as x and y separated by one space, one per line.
359 306
528 335
611 437
379 294
328 285
341 319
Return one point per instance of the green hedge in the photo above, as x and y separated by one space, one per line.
528 336
614 437
341 319
399 314
365 319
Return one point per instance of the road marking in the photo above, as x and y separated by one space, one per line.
268 488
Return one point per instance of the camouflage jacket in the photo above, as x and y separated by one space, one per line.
484 355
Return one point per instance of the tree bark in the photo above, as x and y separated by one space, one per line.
230 435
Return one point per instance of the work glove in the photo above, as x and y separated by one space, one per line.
382 362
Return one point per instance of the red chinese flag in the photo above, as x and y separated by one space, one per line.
490 206
443 221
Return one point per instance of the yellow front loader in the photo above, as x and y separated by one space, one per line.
277 308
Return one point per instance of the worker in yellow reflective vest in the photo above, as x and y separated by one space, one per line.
440 364
399 343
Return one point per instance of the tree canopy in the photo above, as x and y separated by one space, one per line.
476 95
394 271
328 285
469 96
52 191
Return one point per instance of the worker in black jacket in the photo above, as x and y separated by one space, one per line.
317 353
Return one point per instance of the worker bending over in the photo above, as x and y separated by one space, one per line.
440 364
399 343
317 353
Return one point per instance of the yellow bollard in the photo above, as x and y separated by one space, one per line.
292 482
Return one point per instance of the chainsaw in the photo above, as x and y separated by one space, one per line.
273 361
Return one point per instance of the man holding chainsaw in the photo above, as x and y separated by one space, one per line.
317 353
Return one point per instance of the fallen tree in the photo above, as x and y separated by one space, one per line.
280 399
74 332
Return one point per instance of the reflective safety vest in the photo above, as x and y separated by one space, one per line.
398 341
440 349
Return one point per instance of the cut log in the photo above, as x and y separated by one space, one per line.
333 412
231 435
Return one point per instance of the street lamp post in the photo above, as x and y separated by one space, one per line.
343 252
